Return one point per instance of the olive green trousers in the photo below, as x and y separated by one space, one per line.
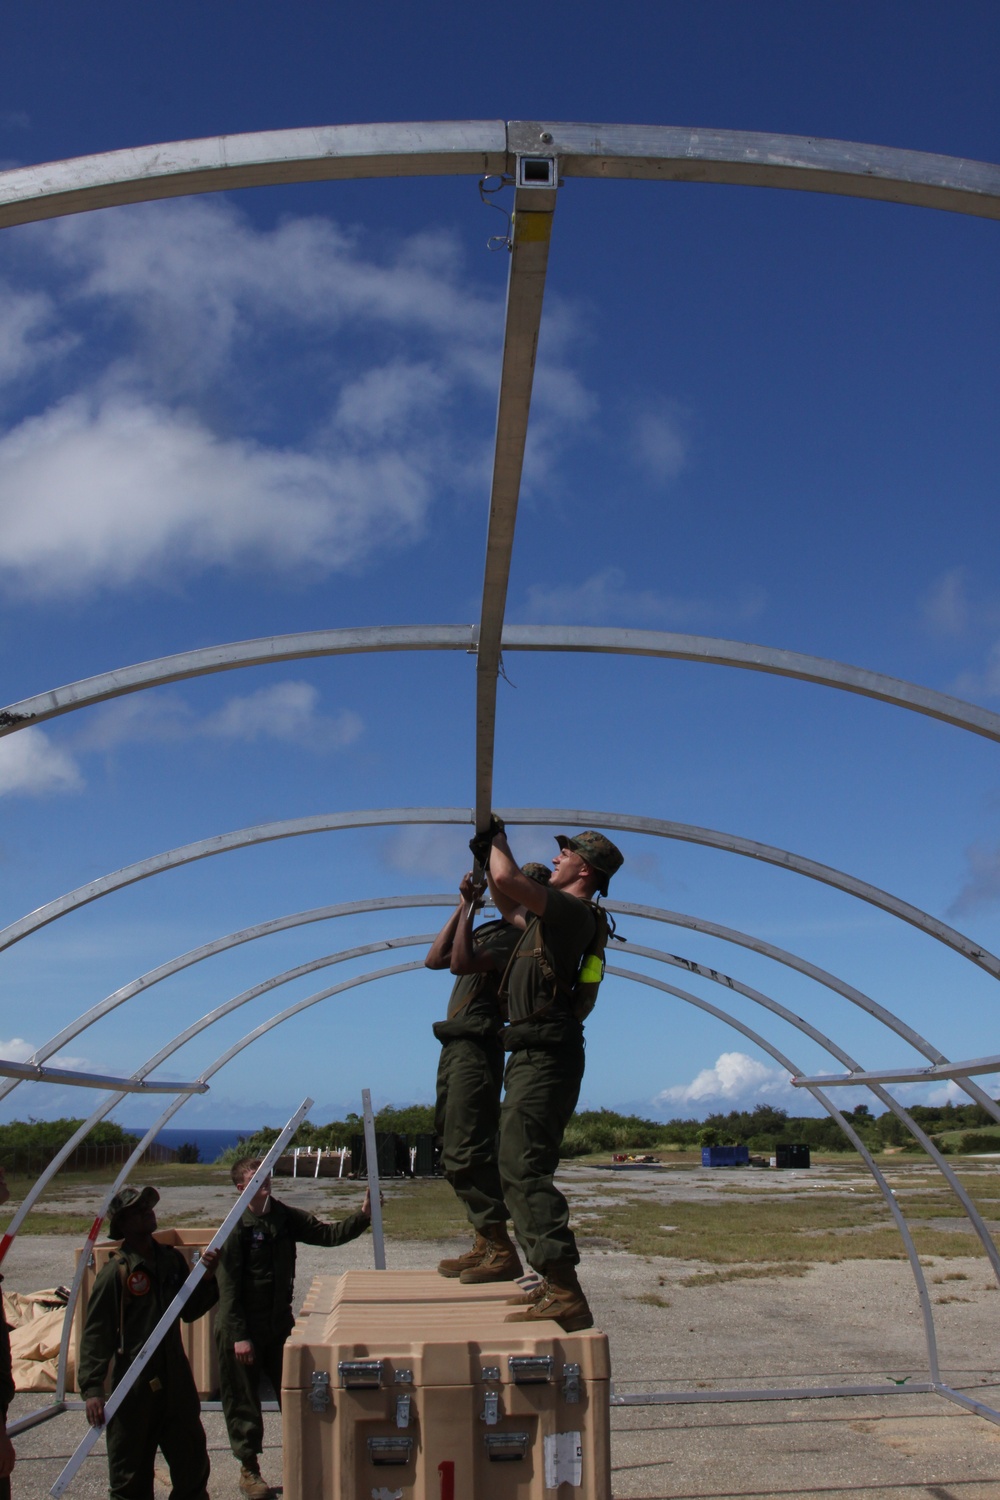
168 1419
467 1118
542 1085
239 1387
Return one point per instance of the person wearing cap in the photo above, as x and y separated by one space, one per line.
7 1455
256 1283
162 1410
470 1078
545 1040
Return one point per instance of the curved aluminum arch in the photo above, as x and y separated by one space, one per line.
226 1008
660 152
216 946
834 1048
834 1113
386 903
345 955
572 817
683 995
668 645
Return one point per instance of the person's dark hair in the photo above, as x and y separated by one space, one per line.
245 1166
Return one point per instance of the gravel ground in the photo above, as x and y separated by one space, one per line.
856 1321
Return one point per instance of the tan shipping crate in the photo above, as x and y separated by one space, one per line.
198 1338
441 1401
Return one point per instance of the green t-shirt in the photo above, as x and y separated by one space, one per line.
496 939
565 932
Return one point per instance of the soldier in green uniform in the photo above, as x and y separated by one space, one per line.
256 1281
545 1039
162 1409
470 1078
6 1382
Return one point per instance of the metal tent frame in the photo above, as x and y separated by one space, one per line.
536 157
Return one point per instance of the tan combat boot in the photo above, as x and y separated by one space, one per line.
562 1301
530 1295
501 1261
252 1486
454 1268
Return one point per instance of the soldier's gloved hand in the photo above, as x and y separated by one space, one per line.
481 845
497 825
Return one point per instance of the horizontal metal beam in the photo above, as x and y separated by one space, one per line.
773 1393
574 638
34 1073
952 1070
259 159
750 158
244 838
664 153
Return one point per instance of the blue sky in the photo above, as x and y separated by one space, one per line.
761 415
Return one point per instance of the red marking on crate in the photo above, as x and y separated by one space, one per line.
447 1472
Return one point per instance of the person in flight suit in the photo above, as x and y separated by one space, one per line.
256 1280
470 1078
6 1382
131 1292
544 1036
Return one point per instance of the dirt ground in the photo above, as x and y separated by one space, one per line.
843 1323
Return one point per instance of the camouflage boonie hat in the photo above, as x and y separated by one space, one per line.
125 1201
536 871
599 852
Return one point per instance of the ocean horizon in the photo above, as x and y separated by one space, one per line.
210 1142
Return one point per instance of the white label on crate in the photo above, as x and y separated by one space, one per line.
563 1459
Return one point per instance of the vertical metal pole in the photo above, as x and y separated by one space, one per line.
371 1157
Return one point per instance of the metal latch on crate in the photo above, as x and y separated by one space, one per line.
505 1447
403 1410
490 1413
530 1369
571 1384
360 1374
319 1390
390 1450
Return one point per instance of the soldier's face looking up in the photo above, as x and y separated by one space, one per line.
258 1202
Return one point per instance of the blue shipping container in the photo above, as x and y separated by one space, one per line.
725 1156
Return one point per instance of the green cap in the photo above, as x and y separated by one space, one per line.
536 871
599 852
124 1202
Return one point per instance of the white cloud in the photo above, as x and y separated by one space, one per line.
119 493
982 887
26 339
946 608
736 1079
31 765
659 442
606 597
18 1050
432 852
284 711
394 352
